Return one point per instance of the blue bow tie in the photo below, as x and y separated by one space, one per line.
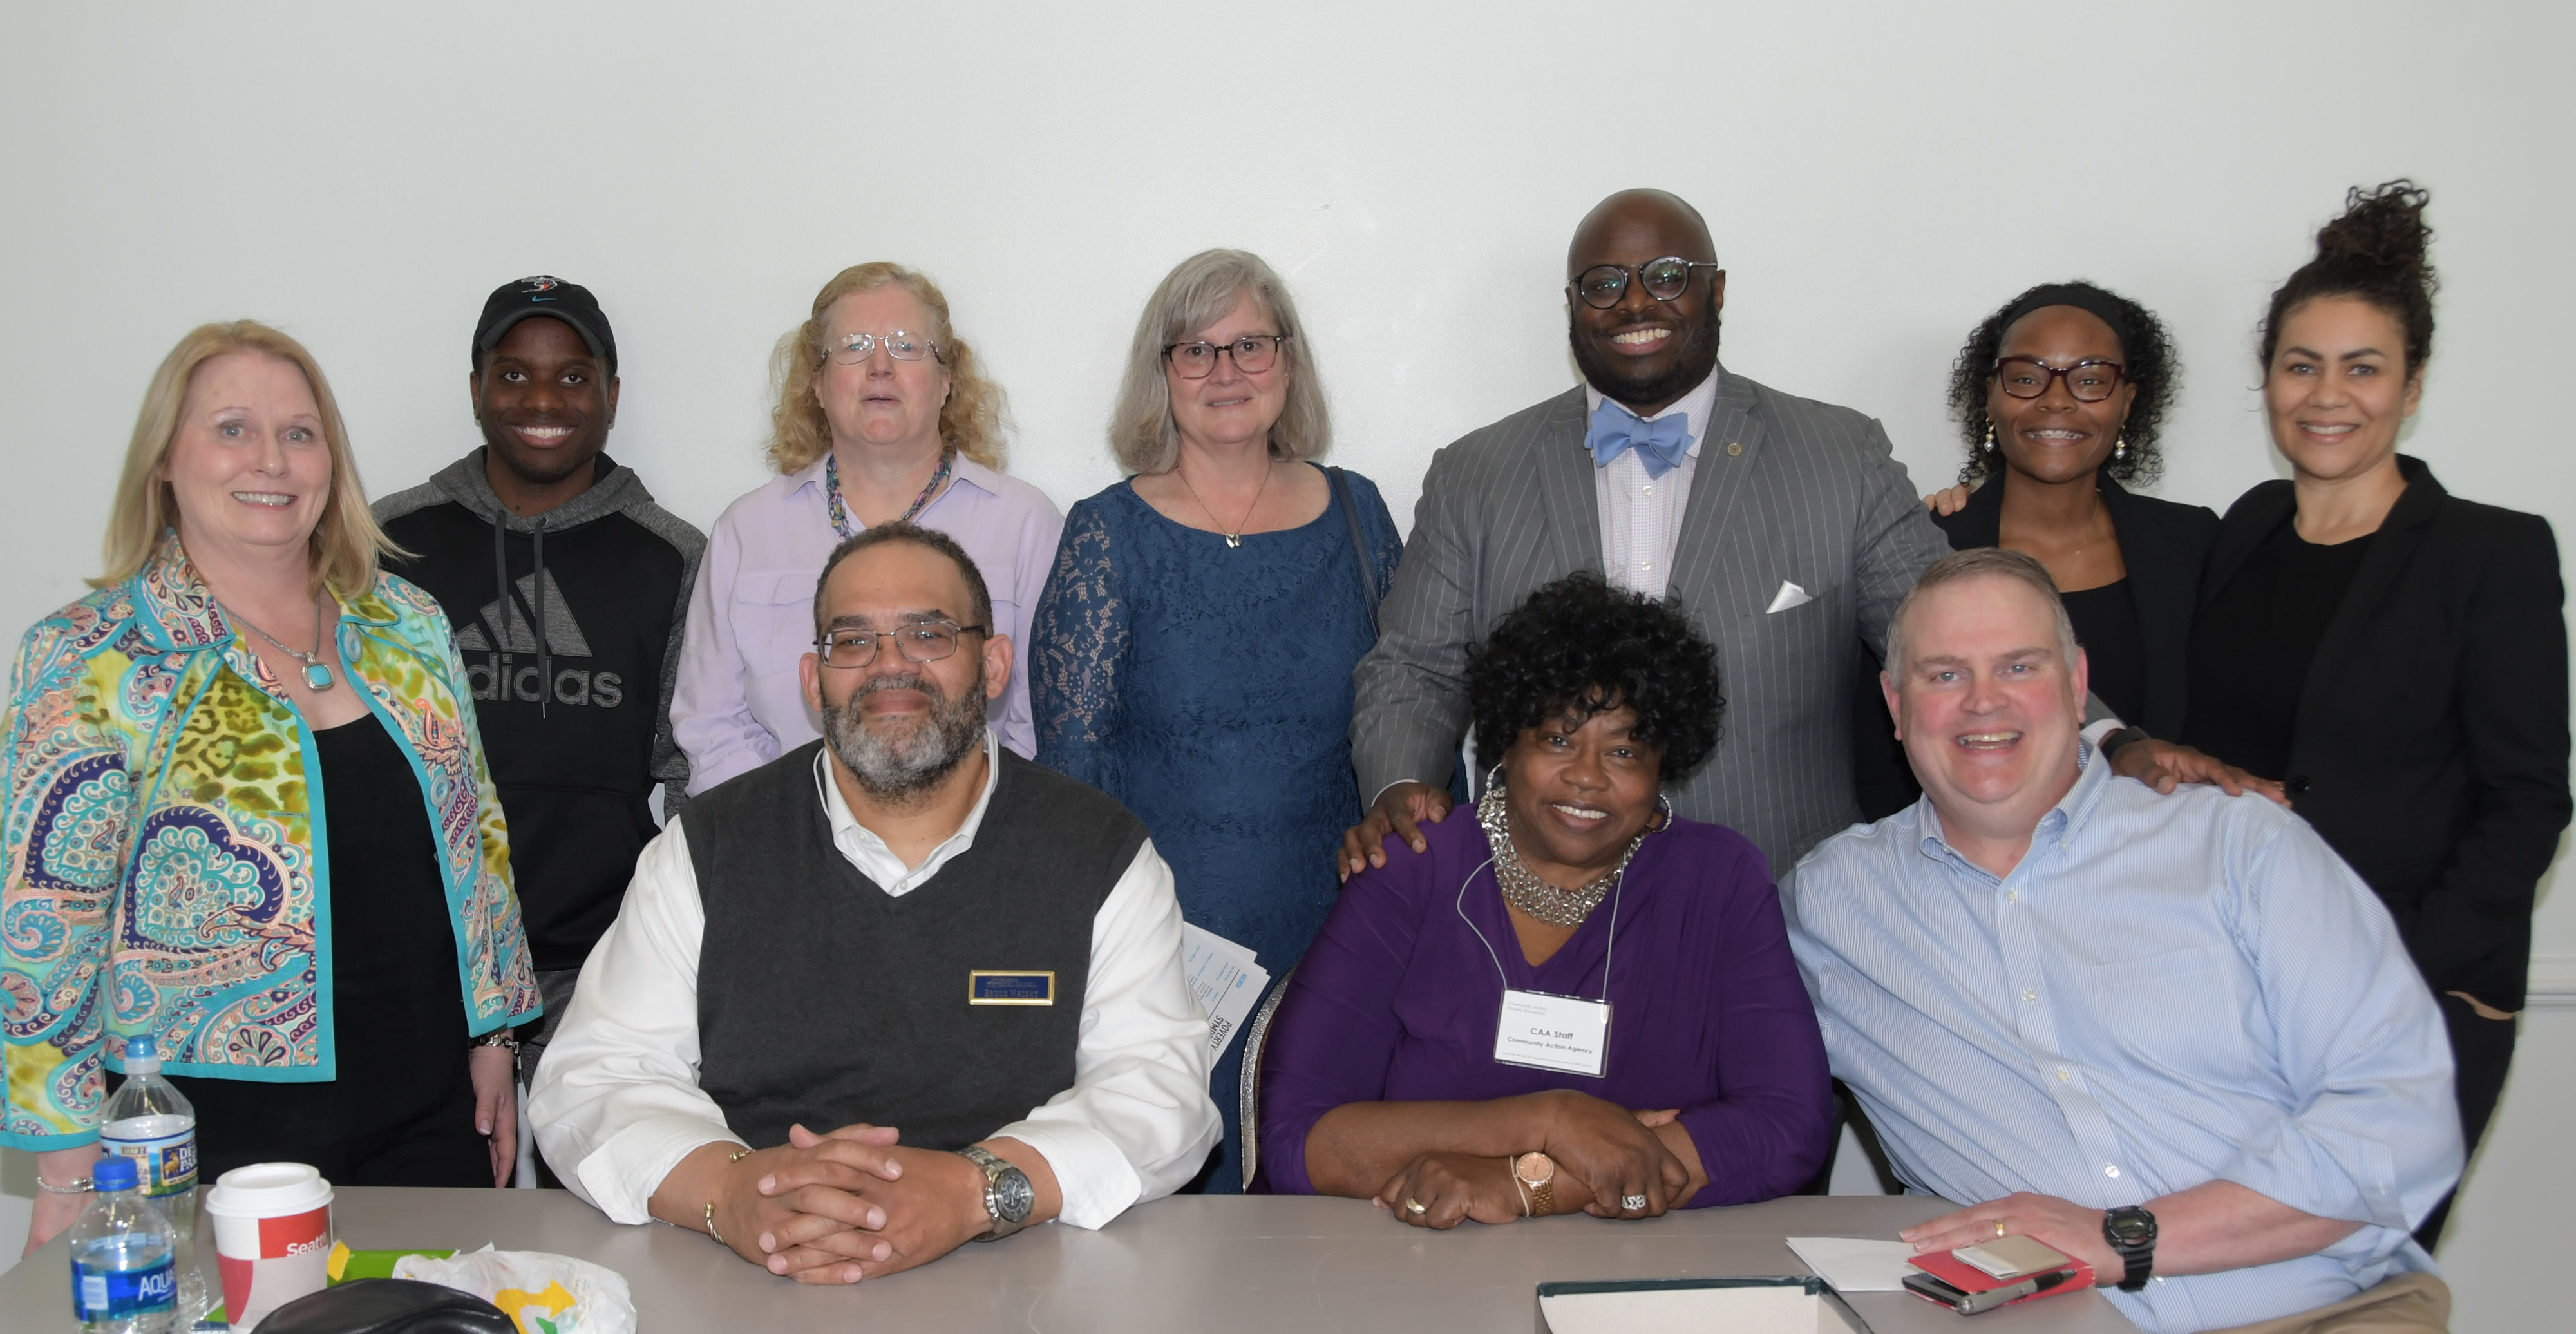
1661 444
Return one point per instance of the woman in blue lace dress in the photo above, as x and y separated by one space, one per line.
1192 653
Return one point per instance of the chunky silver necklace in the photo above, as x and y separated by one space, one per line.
1521 886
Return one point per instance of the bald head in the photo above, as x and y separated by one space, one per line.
1644 350
1661 214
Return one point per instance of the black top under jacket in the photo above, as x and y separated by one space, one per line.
399 1036
2255 639
569 624
2431 742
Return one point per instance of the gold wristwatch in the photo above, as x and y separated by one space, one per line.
1538 1172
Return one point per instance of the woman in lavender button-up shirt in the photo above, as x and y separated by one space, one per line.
882 416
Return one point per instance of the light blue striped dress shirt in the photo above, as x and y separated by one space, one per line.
2166 991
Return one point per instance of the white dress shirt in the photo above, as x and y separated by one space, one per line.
1641 516
616 1103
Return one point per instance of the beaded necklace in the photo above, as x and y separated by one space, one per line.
840 511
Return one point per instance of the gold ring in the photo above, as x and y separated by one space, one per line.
1414 1206
1999 1227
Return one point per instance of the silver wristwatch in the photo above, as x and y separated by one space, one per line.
1008 1197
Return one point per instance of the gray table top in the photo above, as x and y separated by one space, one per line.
1242 1265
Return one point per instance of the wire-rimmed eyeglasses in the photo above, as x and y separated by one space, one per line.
1602 285
900 345
2030 377
921 641
1252 353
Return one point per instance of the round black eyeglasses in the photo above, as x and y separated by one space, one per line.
1602 285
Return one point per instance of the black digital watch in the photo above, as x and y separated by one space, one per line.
2132 1233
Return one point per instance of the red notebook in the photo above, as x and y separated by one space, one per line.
1967 1278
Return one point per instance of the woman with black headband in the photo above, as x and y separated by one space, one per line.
2059 396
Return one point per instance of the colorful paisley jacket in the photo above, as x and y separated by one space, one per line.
159 808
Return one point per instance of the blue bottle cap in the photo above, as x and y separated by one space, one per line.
114 1172
140 1047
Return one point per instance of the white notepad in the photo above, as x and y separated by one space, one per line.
1856 1264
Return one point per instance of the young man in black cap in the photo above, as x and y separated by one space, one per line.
567 587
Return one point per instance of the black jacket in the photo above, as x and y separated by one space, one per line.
2163 543
2431 744
569 624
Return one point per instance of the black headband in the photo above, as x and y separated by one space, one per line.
2084 297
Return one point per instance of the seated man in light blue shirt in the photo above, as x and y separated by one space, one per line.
2171 1036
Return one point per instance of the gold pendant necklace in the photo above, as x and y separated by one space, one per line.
1235 538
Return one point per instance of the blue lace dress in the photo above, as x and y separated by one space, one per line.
1208 688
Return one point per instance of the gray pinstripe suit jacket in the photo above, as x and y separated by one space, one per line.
1813 496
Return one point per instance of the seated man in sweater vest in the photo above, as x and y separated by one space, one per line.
896 990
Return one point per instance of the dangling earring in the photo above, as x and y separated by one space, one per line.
1494 779
2120 447
1990 437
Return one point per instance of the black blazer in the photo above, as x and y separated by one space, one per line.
2163 543
2431 744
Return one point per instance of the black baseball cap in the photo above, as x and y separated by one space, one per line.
551 297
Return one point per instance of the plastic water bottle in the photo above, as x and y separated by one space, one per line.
151 1123
122 1277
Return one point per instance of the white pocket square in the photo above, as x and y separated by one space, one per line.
1790 595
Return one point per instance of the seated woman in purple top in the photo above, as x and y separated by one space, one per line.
1444 1048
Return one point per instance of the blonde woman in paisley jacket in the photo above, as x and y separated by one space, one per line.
246 815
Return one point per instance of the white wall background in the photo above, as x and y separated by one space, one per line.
1878 176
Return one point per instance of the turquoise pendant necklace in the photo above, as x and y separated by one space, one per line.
317 674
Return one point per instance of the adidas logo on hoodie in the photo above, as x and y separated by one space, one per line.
502 658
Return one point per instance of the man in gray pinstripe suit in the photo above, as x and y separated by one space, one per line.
1785 526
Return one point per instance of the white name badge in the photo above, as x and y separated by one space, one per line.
1547 1032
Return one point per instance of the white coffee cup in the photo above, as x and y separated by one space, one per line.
272 1237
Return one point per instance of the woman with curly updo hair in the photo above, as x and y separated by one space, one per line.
2394 653
883 415
2060 396
1574 1001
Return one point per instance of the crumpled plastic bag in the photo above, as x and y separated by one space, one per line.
540 1292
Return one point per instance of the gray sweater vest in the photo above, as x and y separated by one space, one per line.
823 1000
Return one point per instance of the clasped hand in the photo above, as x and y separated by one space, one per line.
849 1205
1604 1154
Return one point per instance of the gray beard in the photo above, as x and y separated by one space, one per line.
900 768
